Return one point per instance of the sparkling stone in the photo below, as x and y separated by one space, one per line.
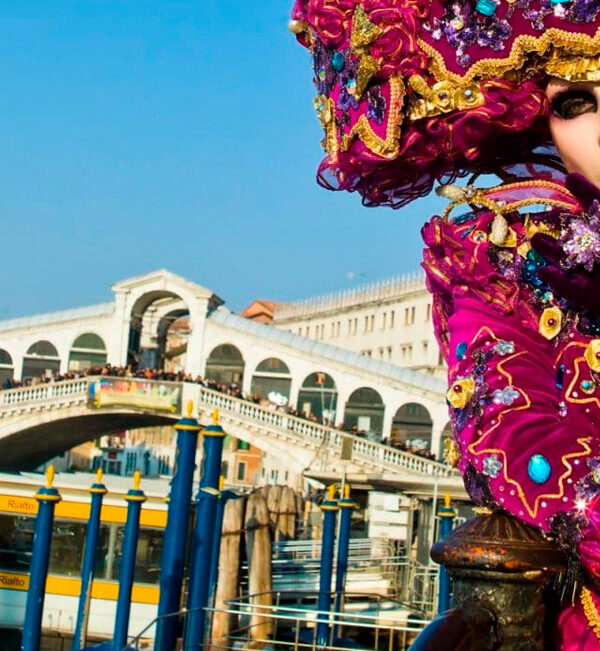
492 466
468 93
587 386
486 7
461 350
457 23
338 61
538 468
322 74
351 85
560 375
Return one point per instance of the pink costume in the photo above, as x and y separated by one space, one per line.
410 92
524 371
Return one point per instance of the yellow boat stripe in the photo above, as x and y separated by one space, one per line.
71 587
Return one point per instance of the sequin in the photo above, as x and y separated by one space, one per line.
461 350
505 396
538 468
492 466
364 32
562 409
504 347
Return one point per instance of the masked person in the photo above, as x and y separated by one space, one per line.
411 93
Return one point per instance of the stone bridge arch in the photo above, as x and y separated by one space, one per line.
149 298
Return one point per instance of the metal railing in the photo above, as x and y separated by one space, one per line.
378 624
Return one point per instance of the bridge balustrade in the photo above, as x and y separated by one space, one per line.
40 393
304 432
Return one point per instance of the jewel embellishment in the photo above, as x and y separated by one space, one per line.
505 396
461 350
538 469
560 376
486 7
581 241
587 386
492 466
504 347
338 61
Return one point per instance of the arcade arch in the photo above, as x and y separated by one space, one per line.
88 350
225 365
318 397
6 366
363 413
41 359
272 375
151 315
412 426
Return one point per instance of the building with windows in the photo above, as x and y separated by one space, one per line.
388 320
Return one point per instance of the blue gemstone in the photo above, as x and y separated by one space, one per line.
486 7
461 349
338 61
560 375
538 468
559 2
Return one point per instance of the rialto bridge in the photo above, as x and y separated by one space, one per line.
331 384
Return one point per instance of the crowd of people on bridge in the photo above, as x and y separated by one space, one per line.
232 389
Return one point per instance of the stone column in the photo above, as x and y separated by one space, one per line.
195 359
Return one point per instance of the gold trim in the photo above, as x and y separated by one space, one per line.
388 147
573 44
472 195
442 97
590 611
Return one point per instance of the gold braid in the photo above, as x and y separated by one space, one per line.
590 610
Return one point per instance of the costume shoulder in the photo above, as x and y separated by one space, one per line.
524 399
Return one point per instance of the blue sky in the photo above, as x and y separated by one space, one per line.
142 134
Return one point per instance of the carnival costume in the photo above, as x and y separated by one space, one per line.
410 92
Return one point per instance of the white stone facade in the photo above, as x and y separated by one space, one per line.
389 320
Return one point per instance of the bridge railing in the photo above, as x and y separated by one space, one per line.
294 428
49 391
362 450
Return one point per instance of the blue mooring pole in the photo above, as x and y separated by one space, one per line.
47 498
446 514
176 532
330 509
97 491
346 505
203 541
135 498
